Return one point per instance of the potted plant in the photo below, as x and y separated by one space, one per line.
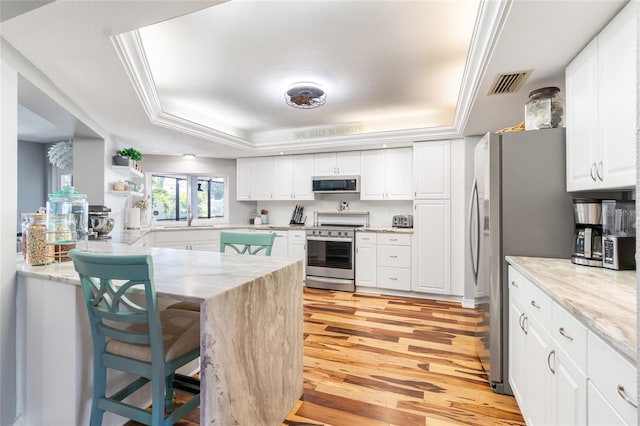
124 156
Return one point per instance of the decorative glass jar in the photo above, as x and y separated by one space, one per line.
544 109
38 251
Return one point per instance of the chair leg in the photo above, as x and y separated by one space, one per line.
169 393
99 390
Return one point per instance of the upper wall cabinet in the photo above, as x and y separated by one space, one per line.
292 177
386 174
601 108
432 170
254 178
337 163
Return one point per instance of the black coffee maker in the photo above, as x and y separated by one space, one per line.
588 233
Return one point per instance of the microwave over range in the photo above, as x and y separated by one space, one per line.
335 184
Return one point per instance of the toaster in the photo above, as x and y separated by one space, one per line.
403 221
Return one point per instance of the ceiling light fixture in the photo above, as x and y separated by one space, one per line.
305 96
189 156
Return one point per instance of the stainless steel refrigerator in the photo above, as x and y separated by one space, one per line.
519 206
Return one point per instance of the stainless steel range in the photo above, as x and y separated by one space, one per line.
331 257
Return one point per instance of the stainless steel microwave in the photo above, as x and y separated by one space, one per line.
335 184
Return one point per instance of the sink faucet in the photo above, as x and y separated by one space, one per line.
189 216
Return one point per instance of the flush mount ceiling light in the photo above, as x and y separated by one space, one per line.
305 96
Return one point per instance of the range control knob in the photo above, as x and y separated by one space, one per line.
329 233
339 233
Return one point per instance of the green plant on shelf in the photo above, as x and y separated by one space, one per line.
131 153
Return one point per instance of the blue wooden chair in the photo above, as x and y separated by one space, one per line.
247 242
139 340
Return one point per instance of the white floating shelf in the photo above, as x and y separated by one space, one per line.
135 194
128 169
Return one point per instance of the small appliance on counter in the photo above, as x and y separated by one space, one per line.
618 234
100 222
588 232
403 221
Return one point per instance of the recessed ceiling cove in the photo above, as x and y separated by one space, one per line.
387 68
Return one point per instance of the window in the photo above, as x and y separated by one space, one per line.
173 197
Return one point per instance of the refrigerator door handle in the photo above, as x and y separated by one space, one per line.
475 257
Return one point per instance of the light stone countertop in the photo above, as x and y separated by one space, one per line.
602 299
385 229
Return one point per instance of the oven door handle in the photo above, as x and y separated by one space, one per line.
336 239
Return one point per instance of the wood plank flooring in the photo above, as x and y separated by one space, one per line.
372 360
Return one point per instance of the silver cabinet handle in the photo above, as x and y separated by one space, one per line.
624 396
366 238
592 171
520 321
515 284
393 239
523 318
393 257
599 171
393 278
535 305
564 334
553 352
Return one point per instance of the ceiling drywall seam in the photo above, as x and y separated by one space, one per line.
490 21
32 73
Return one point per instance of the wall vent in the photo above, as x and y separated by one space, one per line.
509 82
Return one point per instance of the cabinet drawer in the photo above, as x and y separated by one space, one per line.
613 376
297 236
394 278
394 239
397 256
517 284
537 304
570 335
365 238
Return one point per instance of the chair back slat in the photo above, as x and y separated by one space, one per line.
247 242
108 282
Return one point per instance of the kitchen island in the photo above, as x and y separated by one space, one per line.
251 335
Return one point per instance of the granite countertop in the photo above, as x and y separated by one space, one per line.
385 229
602 299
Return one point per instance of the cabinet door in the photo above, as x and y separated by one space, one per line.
280 246
599 411
324 164
581 117
432 236
517 351
243 179
283 177
568 393
297 247
432 169
302 174
399 175
366 259
538 375
348 163
261 178
617 100
373 180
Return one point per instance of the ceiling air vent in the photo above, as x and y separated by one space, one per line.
508 83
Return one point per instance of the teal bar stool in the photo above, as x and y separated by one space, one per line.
247 242
243 243
142 341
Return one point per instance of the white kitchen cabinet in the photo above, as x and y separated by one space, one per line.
432 169
297 247
599 411
292 177
366 259
187 239
600 108
283 177
254 178
393 258
337 163
615 380
386 174
569 391
432 252
280 246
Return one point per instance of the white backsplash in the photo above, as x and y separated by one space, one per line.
380 212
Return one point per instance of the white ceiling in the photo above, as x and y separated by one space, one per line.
212 82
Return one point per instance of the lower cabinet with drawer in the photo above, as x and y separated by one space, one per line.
560 372
383 260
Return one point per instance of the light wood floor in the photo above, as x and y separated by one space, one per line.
373 360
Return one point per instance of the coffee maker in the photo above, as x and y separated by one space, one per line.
588 232
619 234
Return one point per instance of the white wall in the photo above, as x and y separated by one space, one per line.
32 178
8 217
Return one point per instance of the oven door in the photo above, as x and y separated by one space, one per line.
330 257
